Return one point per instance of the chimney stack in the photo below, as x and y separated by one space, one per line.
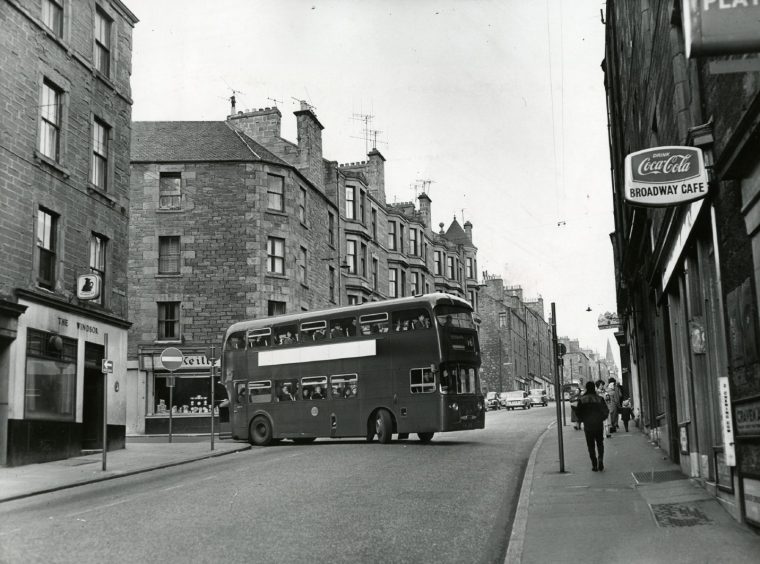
310 145
425 200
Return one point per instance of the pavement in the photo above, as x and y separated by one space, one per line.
659 515
140 455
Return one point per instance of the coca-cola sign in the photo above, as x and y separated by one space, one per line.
665 176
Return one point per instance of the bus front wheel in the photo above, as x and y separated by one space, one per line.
260 433
383 426
425 437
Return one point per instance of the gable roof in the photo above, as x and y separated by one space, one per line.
194 141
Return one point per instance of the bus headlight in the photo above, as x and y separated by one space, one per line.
454 406
480 405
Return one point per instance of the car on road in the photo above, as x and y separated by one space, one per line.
492 401
514 399
538 397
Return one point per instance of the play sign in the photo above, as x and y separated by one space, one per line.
665 176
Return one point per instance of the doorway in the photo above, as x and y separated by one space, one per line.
92 397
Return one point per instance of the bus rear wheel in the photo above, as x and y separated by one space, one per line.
425 437
260 432
383 426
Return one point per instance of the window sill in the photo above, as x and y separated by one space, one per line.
162 210
103 78
167 342
278 276
304 286
169 275
277 213
100 194
51 163
303 224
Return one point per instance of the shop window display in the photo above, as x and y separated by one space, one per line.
191 396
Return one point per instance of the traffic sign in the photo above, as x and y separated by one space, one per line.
172 359
106 366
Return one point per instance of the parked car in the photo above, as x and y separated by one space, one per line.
538 397
492 401
516 398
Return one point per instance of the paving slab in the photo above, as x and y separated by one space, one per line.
610 517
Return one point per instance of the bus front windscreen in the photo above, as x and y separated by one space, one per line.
454 316
459 379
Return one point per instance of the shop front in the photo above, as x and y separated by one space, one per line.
56 384
183 396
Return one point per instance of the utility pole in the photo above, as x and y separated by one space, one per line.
557 384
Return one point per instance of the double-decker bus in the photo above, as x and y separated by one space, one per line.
402 366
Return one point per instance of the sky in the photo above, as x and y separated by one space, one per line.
498 103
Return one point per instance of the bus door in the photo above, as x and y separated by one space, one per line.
238 410
313 407
344 414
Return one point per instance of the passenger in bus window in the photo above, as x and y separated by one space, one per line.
287 338
241 395
319 334
307 393
336 332
449 322
351 331
285 394
352 390
317 393
397 326
422 322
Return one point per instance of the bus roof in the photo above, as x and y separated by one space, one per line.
434 299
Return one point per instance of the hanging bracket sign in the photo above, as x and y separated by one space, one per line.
665 176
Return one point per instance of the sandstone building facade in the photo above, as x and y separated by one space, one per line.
64 186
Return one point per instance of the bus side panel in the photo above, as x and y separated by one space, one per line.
417 412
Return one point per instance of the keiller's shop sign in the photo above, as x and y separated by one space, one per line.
665 176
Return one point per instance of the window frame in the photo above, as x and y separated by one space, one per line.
413 242
331 282
351 202
275 193
351 378
47 246
55 7
391 235
302 204
171 192
164 319
422 387
438 263
273 259
167 253
48 125
99 158
303 266
351 255
63 359
331 229
393 282
98 261
373 222
103 30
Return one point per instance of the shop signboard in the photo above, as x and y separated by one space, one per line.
665 176
727 426
609 321
748 418
721 27
88 287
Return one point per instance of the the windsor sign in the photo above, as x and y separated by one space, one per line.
665 176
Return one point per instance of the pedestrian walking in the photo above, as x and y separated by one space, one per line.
575 393
626 410
592 412
613 403
601 391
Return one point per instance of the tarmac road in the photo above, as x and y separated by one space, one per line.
331 501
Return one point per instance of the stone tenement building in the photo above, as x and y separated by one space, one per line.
688 276
230 221
64 185
515 340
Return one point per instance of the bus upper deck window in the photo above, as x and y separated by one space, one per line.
343 327
411 320
286 335
374 323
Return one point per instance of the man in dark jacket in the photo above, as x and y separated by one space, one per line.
592 411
